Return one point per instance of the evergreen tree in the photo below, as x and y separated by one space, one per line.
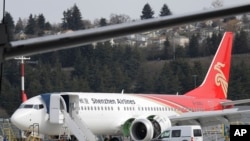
147 12
193 48
103 22
72 19
180 52
165 11
66 20
77 18
30 28
239 82
182 69
241 43
214 42
40 24
10 25
166 50
19 26
144 83
198 73
167 82
47 26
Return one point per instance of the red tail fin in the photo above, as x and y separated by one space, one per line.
215 84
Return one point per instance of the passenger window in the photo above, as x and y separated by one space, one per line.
176 133
197 133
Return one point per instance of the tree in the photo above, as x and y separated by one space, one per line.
213 43
165 11
30 28
117 19
147 12
19 26
40 24
241 43
10 24
193 48
72 19
245 19
167 81
103 22
198 72
217 3
166 49
47 26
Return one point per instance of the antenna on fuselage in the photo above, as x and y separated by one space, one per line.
122 91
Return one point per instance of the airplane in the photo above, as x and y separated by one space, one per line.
141 116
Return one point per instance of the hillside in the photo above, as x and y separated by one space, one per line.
154 67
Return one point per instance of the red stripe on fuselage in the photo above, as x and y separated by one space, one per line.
186 103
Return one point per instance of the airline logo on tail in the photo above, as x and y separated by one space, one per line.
215 84
220 78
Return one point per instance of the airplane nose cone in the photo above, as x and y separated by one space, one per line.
20 119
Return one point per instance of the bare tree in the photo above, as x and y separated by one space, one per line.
117 19
217 3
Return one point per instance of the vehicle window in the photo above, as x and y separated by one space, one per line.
165 134
197 132
176 133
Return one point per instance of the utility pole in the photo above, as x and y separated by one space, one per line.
23 94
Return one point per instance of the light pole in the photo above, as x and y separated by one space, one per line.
23 94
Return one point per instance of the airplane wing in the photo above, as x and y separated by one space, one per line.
208 118
79 38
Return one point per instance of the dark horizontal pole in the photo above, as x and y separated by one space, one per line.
79 38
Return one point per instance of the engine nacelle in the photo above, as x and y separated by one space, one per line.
145 129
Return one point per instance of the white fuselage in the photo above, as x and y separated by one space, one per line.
103 113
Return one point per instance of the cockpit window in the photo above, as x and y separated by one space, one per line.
41 106
31 106
28 106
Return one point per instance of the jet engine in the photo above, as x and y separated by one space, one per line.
145 129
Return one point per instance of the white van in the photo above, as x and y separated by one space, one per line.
181 133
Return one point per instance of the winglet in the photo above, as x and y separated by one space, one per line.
215 84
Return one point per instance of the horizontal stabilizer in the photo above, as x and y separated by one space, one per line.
236 102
